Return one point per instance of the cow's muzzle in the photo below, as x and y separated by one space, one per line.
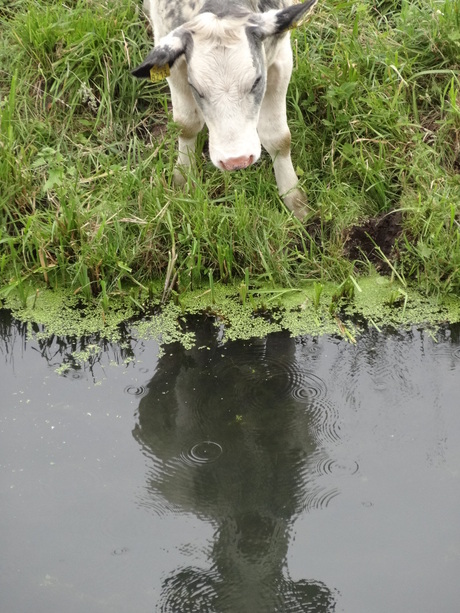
237 163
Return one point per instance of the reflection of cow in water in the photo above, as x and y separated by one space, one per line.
228 431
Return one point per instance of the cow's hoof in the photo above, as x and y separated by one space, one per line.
296 201
179 176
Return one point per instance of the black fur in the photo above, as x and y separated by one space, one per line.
289 16
162 55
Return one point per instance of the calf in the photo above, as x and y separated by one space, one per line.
228 64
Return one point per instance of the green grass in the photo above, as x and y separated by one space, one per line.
87 152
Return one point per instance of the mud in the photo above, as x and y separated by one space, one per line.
376 240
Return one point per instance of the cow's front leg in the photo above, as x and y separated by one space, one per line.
188 118
276 138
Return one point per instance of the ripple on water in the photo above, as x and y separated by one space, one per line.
311 388
135 390
320 464
388 371
325 423
73 374
204 452
194 590
307 596
190 589
324 476
456 353
265 379
283 383
179 483
320 497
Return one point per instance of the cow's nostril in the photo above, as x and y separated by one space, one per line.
237 163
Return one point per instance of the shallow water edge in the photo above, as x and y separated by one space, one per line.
240 311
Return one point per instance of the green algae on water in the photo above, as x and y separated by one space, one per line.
312 309
64 314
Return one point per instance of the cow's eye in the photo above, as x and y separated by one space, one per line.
194 89
256 84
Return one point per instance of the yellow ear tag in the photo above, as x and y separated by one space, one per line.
293 25
158 73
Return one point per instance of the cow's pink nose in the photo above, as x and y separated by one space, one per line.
237 163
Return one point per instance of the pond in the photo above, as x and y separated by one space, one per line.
278 474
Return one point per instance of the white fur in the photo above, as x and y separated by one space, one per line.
223 74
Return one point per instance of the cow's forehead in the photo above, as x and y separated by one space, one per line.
221 42
225 31
222 49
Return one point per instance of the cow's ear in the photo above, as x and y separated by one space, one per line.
163 55
277 21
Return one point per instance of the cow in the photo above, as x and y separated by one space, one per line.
228 65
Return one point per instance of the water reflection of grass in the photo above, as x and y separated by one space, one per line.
86 157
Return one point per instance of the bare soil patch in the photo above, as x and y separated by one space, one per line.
377 236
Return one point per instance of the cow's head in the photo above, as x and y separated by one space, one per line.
227 73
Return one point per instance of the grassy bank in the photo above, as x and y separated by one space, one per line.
86 157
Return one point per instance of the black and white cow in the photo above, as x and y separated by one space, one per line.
230 64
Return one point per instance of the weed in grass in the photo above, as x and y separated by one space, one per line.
343 295
317 291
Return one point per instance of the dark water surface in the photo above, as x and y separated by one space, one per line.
266 476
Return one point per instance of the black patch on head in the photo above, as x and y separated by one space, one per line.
258 88
268 5
287 17
158 57
255 45
223 8
253 31
162 55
